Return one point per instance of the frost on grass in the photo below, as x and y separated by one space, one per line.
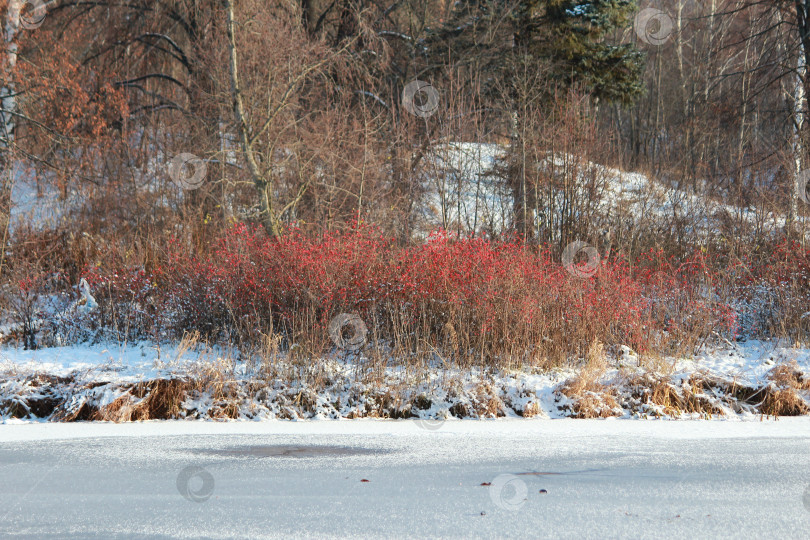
200 383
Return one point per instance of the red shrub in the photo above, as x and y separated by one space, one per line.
467 299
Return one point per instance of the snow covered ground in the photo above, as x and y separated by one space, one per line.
386 479
113 362
104 376
747 362
464 187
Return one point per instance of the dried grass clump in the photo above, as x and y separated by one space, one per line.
769 399
783 402
224 410
74 411
159 399
789 376
530 410
591 398
125 408
782 397
657 391
35 396
164 397
388 403
595 404
486 402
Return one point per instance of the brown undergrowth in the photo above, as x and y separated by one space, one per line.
210 391
658 396
783 395
588 397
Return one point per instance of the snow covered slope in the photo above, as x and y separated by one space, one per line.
114 383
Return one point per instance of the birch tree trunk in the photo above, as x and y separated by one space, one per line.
8 104
797 146
797 98
685 98
8 101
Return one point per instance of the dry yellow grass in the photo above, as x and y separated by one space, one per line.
591 398
789 375
657 390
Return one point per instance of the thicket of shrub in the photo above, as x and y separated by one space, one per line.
463 300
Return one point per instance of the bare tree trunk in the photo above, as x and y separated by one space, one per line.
744 91
265 188
797 97
707 82
8 104
685 98
522 208
8 101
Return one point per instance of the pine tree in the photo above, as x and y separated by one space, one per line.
570 35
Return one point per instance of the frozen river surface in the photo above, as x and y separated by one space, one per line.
395 479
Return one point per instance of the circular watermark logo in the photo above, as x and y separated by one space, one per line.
569 257
195 484
420 99
32 14
348 331
188 171
430 424
508 492
653 26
